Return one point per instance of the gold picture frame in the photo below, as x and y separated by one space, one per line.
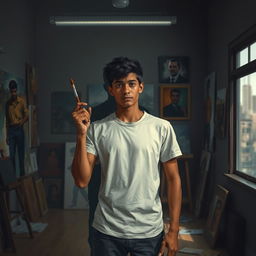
175 101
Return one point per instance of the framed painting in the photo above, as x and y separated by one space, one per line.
216 211
175 102
173 69
51 159
5 78
74 197
54 192
62 105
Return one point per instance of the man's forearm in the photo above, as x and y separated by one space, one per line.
174 197
81 167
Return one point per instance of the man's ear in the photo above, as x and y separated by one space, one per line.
141 87
110 90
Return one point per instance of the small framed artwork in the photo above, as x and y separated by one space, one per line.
216 210
54 192
173 70
175 102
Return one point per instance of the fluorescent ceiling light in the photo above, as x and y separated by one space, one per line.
113 20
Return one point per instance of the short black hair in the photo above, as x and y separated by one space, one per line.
120 67
13 85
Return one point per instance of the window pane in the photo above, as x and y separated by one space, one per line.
242 58
246 125
253 52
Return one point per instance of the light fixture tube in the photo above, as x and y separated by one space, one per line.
114 21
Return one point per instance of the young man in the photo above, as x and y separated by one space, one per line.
129 145
16 115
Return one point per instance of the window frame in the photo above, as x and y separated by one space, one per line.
243 41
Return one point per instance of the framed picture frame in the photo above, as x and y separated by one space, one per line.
54 192
175 102
173 69
216 211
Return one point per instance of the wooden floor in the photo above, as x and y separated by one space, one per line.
66 235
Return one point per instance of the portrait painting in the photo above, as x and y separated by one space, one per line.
74 197
54 192
175 102
214 217
62 105
97 95
51 159
173 69
5 78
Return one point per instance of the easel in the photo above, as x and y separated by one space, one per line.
9 182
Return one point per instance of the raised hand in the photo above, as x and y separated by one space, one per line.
82 116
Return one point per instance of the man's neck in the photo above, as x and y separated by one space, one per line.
128 115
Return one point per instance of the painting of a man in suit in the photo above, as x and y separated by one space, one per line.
173 70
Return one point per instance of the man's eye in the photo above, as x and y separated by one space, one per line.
118 85
132 84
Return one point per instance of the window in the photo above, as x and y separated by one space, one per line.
242 77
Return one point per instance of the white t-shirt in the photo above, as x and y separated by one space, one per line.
129 204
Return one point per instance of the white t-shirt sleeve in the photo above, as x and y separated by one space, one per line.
90 143
170 147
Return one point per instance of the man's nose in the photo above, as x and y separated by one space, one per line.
126 88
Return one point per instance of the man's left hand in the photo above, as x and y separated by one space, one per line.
171 243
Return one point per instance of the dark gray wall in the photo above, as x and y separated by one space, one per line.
227 20
17 28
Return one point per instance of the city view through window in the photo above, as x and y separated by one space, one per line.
246 125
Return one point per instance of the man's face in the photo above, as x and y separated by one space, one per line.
13 93
173 67
126 90
175 97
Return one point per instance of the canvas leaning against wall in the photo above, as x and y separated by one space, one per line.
62 105
74 197
5 78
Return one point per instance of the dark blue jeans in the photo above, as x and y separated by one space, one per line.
105 245
16 140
